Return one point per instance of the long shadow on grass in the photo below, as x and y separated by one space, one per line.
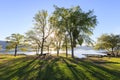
46 71
21 72
104 62
42 68
77 73
50 70
100 72
11 62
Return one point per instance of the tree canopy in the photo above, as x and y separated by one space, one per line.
14 40
68 24
111 43
40 31
78 24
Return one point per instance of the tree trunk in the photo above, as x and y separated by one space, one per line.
58 48
43 39
42 46
66 46
36 50
48 49
72 46
117 52
72 51
113 52
57 51
15 50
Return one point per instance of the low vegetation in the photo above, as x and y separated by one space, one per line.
58 68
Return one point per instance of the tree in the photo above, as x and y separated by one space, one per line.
111 43
117 49
78 24
14 40
66 43
49 42
33 39
58 38
57 31
41 29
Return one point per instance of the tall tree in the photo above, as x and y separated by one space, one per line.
41 29
57 31
14 40
66 44
78 24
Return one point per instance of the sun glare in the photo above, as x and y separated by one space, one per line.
52 35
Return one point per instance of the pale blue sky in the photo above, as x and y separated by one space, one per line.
16 15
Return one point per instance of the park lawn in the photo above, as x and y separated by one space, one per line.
58 68
7 57
110 63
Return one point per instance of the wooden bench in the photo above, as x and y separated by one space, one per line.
45 54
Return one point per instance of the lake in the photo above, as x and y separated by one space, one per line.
78 52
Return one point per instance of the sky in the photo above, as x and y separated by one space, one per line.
16 16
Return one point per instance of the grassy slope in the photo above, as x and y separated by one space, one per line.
58 68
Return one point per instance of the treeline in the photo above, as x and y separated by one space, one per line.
66 27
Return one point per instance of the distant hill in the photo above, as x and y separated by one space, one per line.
4 44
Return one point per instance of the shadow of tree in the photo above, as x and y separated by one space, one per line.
97 71
17 68
78 75
103 62
49 70
55 68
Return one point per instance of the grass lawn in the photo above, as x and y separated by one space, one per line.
58 68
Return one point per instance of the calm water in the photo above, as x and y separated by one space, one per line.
78 52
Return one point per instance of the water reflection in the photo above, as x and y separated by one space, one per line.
78 52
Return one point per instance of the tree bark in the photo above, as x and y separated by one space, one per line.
72 46
57 51
42 46
15 50
66 46
113 52
58 48
43 40
36 50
